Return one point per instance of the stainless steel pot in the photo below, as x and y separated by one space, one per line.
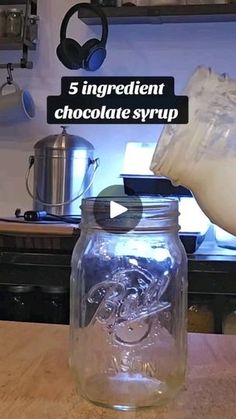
64 169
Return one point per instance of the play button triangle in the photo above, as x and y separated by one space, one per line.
116 209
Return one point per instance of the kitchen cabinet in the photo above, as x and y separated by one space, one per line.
164 14
44 260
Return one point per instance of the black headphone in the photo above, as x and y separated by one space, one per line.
91 55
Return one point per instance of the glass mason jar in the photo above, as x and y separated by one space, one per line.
54 304
229 317
201 155
200 314
128 322
14 22
19 302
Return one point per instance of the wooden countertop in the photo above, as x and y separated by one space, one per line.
36 383
15 227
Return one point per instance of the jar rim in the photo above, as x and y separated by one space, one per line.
161 206
143 213
147 202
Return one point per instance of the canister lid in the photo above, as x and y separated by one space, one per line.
63 141
54 289
14 10
20 289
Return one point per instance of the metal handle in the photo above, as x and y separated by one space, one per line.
95 163
9 84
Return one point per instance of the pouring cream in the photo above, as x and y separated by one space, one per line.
202 154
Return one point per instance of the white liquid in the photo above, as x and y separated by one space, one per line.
202 154
216 192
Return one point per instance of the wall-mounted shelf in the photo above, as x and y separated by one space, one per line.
20 2
10 2
14 44
164 14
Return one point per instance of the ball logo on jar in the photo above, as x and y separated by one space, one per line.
128 302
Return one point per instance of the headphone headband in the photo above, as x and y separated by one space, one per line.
87 6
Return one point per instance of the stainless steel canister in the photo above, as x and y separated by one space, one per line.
64 168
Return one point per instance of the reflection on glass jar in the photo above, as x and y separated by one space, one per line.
200 315
128 306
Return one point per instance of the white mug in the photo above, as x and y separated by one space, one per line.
16 106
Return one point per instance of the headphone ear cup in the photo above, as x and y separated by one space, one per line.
91 43
94 54
70 53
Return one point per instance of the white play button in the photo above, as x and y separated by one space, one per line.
116 209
